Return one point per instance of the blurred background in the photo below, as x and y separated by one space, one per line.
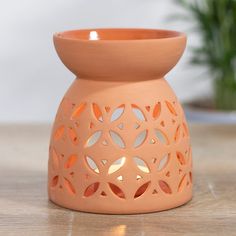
32 78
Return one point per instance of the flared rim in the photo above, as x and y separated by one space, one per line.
118 34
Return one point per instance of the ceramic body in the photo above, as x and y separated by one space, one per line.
120 142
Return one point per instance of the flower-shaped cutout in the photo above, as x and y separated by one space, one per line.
113 168
62 172
150 115
107 118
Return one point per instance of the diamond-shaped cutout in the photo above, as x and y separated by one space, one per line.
107 109
104 161
152 141
138 177
154 191
103 194
104 142
120 126
154 160
91 125
120 178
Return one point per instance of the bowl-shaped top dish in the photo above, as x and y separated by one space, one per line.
119 54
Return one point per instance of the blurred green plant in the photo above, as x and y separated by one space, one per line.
216 23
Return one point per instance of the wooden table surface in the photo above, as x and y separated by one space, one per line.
25 209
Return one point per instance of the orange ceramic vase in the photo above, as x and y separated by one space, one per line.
120 142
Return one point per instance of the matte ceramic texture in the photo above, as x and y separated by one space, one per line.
120 142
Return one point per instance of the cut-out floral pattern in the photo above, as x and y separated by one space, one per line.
60 180
113 168
107 117
70 113
151 115
109 128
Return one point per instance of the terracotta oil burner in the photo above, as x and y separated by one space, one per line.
120 142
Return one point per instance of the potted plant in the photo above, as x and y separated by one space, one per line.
214 21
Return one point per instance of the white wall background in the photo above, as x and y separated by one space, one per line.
33 80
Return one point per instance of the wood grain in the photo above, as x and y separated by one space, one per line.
25 209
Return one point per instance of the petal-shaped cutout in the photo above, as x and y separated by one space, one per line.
55 180
177 134
70 188
180 158
117 113
91 163
163 162
93 139
59 132
116 190
116 165
138 112
77 112
70 161
141 164
116 138
161 136
165 187
157 110
142 189
97 112
140 139
171 108
73 136
182 183
55 159
91 189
